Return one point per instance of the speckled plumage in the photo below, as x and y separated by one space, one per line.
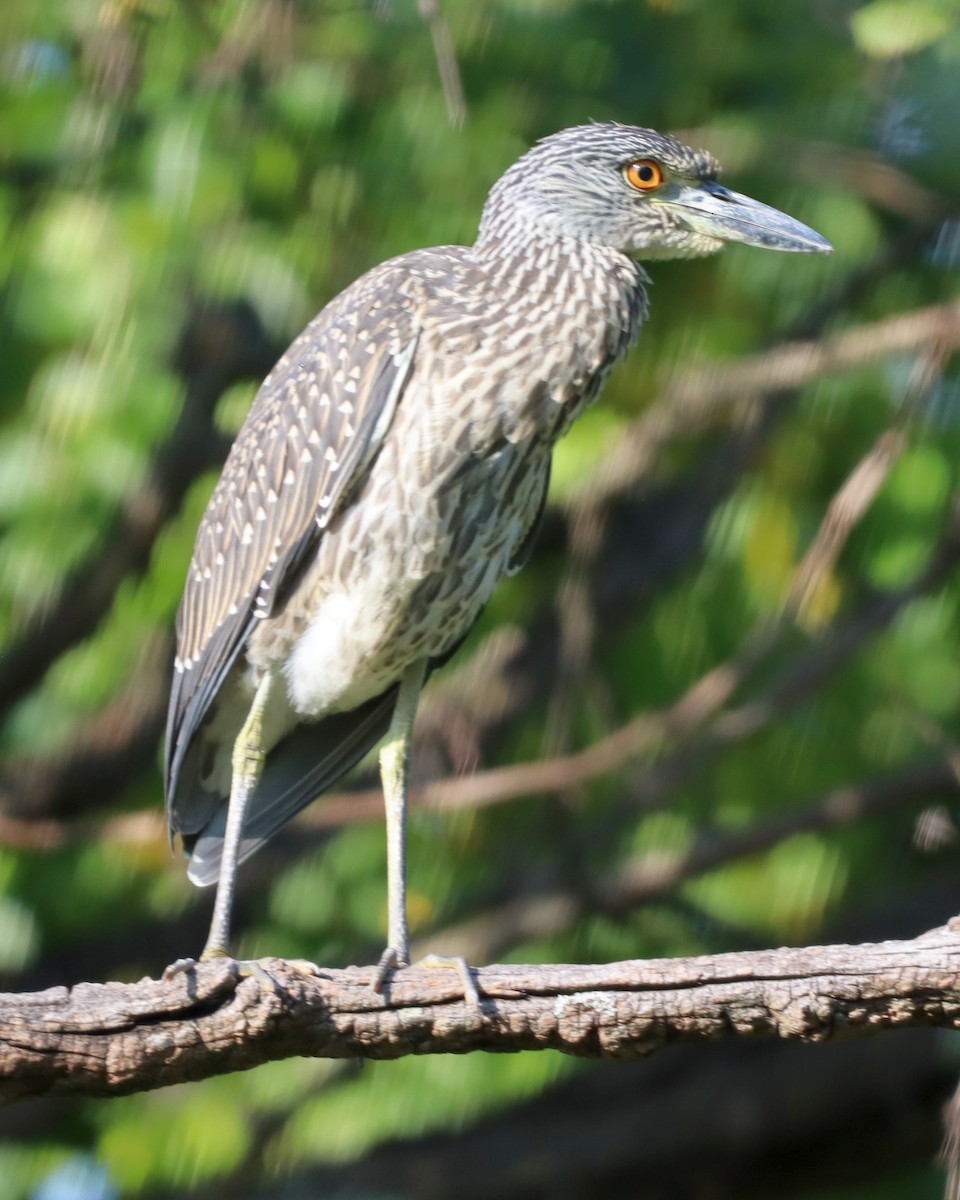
394 467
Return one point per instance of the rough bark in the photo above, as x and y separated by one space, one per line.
110 1039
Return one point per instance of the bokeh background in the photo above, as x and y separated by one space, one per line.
717 711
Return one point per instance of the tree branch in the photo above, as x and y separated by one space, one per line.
112 1039
447 67
695 399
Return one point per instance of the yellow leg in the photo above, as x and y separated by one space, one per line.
247 767
394 771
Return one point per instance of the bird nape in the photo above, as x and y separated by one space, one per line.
394 467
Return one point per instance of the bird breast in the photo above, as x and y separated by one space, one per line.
402 576
406 566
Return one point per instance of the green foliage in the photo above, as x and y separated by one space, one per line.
891 28
156 156
407 1097
198 1134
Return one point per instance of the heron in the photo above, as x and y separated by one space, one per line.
393 468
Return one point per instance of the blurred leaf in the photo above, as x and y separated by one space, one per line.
770 551
890 28
920 481
783 895
197 1134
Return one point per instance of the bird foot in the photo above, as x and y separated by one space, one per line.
454 962
391 960
247 968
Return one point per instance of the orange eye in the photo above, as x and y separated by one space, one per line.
644 174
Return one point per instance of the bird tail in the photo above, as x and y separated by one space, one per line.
298 769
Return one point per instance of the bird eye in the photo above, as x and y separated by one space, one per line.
644 174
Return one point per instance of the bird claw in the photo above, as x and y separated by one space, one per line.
304 966
183 966
390 961
454 962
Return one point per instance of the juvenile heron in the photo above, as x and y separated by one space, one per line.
394 467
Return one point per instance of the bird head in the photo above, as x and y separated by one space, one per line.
637 191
